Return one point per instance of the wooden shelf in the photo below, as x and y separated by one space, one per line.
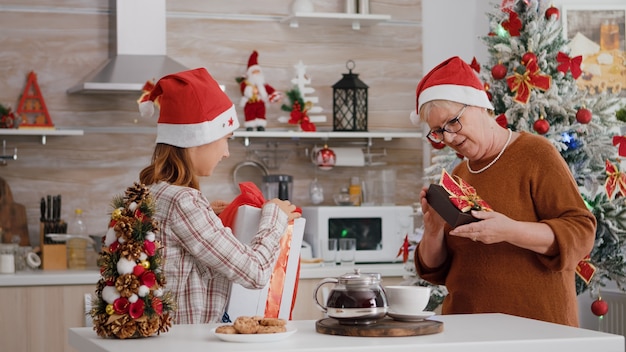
324 135
43 132
329 18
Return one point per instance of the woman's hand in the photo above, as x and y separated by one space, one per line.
287 207
433 222
218 206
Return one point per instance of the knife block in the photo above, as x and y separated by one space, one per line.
53 255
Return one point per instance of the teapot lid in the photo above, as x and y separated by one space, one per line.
359 278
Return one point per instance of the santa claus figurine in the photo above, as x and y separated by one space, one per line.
256 94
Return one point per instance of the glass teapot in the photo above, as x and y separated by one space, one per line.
356 298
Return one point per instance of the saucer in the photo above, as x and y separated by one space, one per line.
410 317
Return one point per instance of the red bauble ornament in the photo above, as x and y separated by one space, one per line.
498 71
583 116
599 307
541 126
552 11
528 57
325 158
436 145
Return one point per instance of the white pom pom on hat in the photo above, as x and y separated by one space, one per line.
193 109
453 80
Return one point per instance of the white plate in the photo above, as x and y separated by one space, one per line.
253 338
410 317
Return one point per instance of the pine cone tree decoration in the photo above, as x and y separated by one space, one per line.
137 193
130 300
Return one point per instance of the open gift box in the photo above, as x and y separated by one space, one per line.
276 298
453 200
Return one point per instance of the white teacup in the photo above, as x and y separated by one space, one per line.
407 300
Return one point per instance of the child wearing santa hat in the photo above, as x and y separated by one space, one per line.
520 258
202 257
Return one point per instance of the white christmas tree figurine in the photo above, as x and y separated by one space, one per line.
302 82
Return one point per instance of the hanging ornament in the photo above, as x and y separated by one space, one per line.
583 116
528 58
502 121
521 83
615 184
552 11
498 71
475 65
621 141
569 64
325 158
513 24
599 307
541 126
585 270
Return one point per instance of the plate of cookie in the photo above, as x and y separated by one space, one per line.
254 329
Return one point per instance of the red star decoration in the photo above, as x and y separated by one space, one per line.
231 121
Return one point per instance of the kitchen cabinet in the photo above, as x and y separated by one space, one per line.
38 307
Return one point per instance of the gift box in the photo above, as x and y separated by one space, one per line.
276 298
454 200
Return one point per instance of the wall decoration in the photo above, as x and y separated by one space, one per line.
597 33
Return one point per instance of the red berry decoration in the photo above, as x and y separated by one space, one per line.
528 57
552 11
583 116
498 71
599 307
541 126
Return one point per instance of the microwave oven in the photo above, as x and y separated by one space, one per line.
379 230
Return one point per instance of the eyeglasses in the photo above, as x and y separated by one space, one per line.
453 126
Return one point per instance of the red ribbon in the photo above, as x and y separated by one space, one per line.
462 195
585 269
513 24
299 115
521 84
615 180
572 64
475 65
621 140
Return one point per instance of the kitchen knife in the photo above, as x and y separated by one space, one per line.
42 207
48 207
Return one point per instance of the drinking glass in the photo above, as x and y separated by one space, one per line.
329 251
347 251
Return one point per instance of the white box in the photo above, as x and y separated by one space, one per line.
249 302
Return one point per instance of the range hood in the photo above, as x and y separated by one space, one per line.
140 50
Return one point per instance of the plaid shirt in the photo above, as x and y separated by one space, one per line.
202 257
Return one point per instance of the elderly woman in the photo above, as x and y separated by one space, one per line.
519 259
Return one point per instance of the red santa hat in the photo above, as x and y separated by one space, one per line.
452 80
193 109
253 62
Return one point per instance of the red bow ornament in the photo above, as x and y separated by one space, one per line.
513 24
299 115
615 180
475 65
585 269
572 64
621 141
521 84
462 194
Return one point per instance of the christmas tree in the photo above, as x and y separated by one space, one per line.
130 299
531 81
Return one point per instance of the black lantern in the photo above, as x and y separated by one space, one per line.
350 102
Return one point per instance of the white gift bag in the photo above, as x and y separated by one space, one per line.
270 301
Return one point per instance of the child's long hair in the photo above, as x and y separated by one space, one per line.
170 164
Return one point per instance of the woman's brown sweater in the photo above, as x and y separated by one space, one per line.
530 182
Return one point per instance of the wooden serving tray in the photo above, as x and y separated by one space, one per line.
386 327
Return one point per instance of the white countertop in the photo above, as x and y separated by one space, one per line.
87 277
467 333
